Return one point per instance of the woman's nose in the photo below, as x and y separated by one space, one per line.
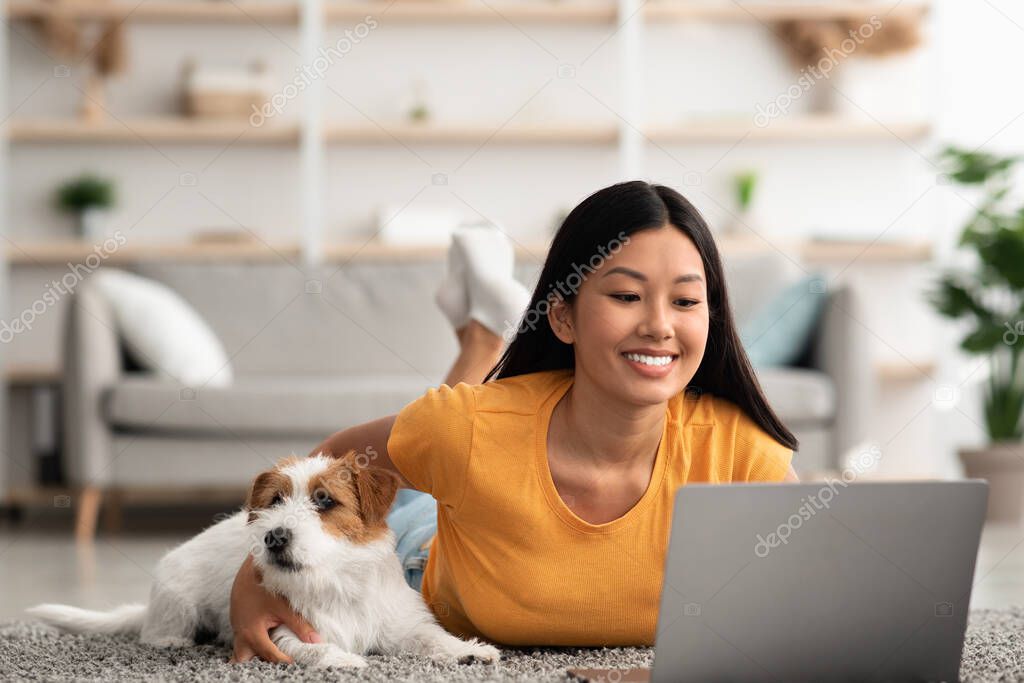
656 323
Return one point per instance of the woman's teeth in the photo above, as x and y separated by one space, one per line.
649 360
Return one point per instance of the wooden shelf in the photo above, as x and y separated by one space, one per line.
792 129
183 130
61 252
470 133
166 130
527 11
827 251
162 10
71 251
727 10
822 252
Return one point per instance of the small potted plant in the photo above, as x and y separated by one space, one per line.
991 298
743 184
89 198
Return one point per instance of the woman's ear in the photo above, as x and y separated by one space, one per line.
560 319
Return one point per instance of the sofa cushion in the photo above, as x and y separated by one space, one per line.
799 395
780 332
162 331
754 279
278 406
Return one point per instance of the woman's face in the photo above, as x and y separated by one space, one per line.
648 298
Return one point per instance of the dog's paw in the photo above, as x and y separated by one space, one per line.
467 652
339 658
480 652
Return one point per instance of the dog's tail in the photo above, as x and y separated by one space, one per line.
122 619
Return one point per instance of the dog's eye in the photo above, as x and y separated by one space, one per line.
276 500
323 501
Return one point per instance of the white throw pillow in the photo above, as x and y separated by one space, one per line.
169 336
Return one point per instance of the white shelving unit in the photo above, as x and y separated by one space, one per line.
314 137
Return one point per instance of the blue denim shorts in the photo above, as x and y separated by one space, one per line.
413 519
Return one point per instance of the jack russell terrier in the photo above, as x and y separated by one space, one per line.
316 530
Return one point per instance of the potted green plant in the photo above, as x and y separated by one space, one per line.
89 198
990 297
743 185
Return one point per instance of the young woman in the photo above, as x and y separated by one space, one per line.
554 482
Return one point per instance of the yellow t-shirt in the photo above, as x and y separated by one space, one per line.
511 563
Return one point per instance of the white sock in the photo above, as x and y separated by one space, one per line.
452 296
496 299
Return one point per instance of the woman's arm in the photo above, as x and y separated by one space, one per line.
791 475
254 609
370 439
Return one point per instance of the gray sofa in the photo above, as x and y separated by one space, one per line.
316 352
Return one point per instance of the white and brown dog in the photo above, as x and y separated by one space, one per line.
316 529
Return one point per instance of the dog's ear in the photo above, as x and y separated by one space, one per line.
264 488
376 489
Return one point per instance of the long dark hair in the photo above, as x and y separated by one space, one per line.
603 219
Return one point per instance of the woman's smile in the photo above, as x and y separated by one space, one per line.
651 365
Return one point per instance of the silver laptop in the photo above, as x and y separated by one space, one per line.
817 582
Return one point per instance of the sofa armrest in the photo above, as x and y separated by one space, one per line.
91 359
843 351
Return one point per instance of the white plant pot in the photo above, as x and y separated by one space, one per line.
743 224
93 223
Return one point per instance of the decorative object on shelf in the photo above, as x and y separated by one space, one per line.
416 109
743 184
89 198
107 53
857 67
991 297
225 92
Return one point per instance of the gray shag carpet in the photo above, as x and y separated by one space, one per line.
993 651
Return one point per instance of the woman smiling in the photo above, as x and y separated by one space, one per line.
544 473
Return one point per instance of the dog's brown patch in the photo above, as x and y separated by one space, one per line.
267 485
362 496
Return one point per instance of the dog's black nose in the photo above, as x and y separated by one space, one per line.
276 540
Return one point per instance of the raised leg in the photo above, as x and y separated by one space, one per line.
479 351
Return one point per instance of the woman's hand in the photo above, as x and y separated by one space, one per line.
254 611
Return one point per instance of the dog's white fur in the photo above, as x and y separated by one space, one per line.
354 594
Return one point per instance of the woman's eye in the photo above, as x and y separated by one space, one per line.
685 303
276 500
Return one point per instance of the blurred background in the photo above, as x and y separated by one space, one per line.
272 186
